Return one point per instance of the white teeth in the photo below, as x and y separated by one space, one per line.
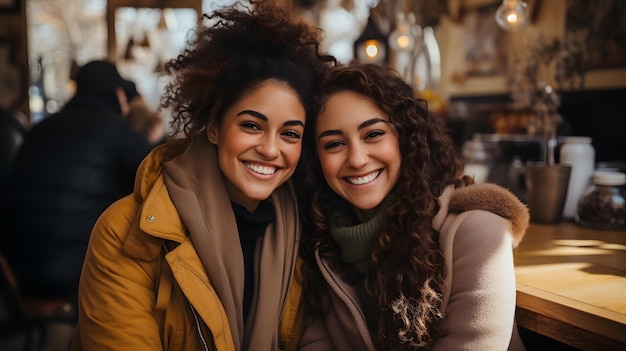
261 169
363 180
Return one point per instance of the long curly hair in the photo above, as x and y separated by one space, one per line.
236 49
403 289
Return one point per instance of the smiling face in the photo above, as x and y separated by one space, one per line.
358 149
259 142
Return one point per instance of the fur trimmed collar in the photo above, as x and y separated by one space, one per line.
487 197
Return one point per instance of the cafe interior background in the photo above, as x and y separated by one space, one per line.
492 84
508 95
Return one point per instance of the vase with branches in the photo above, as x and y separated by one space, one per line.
531 90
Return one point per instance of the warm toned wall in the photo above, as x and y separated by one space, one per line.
550 21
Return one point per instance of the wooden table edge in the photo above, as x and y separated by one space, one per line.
605 323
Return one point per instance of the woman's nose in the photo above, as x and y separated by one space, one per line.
268 147
357 157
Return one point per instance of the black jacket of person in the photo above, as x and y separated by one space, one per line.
70 168
11 136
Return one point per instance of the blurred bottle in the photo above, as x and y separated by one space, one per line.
580 154
477 158
603 204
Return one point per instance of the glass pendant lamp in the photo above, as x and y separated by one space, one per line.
512 15
371 45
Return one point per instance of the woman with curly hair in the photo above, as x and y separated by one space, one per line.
404 251
202 255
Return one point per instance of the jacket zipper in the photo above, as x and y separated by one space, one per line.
169 246
198 327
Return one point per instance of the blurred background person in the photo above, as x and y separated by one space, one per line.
70 167
12 132
143 118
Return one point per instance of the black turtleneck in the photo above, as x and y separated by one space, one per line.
251 226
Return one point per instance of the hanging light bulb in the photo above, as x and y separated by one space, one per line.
401 39
371 45
512 15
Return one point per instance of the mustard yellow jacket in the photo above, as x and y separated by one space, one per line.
144 286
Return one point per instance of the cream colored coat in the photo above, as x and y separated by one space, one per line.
479 226
135 296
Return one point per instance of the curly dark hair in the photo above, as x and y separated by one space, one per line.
404 286
236 49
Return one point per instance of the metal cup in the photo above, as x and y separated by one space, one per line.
547 188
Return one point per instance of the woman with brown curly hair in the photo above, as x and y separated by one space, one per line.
201 256
404 251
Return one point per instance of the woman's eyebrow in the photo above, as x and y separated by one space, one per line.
254 114
369 122
365 124
263 117
330 132
294 122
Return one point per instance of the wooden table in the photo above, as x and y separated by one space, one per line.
571 285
